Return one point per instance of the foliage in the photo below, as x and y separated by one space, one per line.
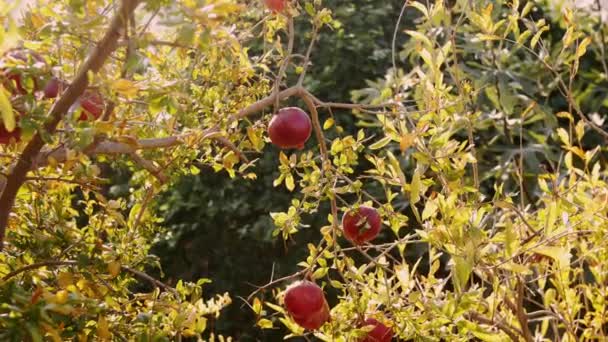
490 157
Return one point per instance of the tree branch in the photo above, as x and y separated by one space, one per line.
93 63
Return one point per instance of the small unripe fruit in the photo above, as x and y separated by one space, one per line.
361 225
306 304
379 333
275 5
92 105
290 128
52 88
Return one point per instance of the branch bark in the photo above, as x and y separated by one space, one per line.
93 63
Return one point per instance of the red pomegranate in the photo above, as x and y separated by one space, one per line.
52 88
306 304
290 128
13 79
275 5
92 105
361 225
379 333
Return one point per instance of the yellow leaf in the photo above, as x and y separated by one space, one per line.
415 188
125 87
257 306
420 7
8 118
283 158
114 268
103 329
61 297
37 20
289 182
485 37
51 332
421 38
407 140
380 143
582 48
253 137
563 136
565 115
265 323
65 279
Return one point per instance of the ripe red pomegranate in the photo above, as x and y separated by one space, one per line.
13 79
361 225
92 105
290 128
380 332
52 88
306 304
275 5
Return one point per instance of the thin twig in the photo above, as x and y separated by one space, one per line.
507 329
135 272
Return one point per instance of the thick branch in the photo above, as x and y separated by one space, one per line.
94 62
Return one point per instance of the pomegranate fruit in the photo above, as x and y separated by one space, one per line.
290 128
92 105
306 304
361 225
52 88
379 333
275 5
